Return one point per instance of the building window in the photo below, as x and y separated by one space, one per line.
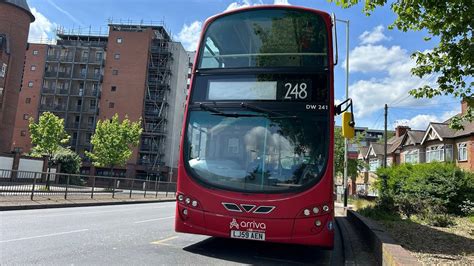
439 153
28 100
117 56
92 104
26 117
111 105
35 52
3 71
462 152
412 157
85 55
33 68
23 133
373 165
30 84
114 88
98 56
115 72
119 40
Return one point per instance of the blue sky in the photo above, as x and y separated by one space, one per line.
379 58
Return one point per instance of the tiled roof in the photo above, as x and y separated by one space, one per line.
416 136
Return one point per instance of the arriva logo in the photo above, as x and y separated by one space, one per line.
247 225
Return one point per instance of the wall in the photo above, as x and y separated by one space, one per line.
15 23
131 79
176 105
469 164
21 137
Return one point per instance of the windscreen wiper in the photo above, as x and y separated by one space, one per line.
265 111
216 111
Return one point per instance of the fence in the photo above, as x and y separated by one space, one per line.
21 184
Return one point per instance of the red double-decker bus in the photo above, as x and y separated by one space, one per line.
257 143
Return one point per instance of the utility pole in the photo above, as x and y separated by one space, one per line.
385 138
347 97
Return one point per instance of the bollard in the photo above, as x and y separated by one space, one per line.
93 186
113 188
131 188
33 188
67 187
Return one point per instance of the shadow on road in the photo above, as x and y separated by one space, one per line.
254 252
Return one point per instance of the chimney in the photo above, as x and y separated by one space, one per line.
400 130
463 106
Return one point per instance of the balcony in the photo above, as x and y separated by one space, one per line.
66 58
64 75
94 76
53 107
73 125
53 57
76 108
63 91
48 90
50 74
91 110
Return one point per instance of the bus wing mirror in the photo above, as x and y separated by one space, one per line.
348 130
348 123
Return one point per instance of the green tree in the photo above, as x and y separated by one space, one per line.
353 165
452 59
113 142
47 137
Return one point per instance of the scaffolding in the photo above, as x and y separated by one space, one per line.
155 108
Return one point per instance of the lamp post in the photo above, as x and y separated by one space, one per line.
347 96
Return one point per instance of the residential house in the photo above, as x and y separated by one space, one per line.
411 149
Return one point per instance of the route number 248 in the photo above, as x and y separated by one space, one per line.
296 91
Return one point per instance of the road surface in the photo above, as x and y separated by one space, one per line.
133 234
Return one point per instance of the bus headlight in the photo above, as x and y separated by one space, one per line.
317 223
316 210
194 203
188 200
306 212
185 212
180 197
325 208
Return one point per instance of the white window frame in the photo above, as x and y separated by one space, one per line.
412 156
439 153
374 164
462 151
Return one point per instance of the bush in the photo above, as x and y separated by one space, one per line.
412 189
69 160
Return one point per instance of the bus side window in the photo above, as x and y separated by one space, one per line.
210 57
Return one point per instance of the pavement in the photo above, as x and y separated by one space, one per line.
23 202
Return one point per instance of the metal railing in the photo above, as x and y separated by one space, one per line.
17 184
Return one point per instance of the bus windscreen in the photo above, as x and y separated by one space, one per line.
265 38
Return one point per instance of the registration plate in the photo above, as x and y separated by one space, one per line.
247 235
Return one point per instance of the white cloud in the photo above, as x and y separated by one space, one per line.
422 121
242 4
370 58
418 121
247 3
41 29
281 2
189 35
374 36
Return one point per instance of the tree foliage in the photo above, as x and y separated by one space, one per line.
450 21
48 134
353 165
113 141
70 162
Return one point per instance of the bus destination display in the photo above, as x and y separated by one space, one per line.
285 90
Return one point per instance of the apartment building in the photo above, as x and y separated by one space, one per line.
15 19
135 71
